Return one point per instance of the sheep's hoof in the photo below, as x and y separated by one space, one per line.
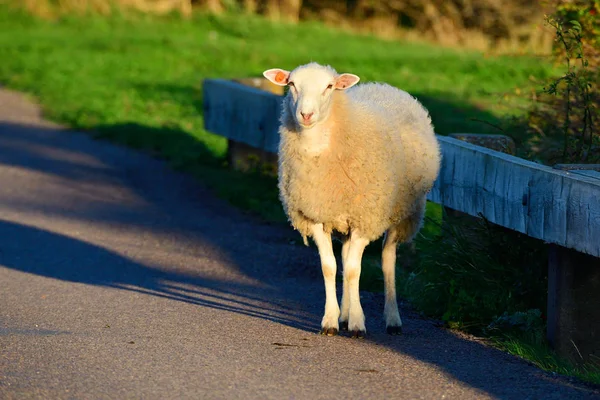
343 325
357 334
394 330
329 331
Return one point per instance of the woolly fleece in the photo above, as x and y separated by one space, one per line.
381 160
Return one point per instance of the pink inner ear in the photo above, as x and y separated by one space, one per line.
345 81
281 77
277 76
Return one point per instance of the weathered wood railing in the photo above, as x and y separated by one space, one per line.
560 207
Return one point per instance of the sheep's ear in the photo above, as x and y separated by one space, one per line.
345 81
277 76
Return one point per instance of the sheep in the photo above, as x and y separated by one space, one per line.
357 162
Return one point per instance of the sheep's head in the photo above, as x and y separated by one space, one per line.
310 90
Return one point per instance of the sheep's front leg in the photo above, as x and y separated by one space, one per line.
352 266
329 324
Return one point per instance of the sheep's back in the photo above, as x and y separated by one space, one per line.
397 107
409 141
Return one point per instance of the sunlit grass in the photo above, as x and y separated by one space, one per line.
137 79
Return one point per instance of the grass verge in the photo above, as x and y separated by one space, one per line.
136 79
544 358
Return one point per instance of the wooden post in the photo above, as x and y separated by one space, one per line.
573 304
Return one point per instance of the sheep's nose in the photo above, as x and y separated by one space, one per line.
306 116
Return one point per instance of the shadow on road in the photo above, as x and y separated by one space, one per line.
40 252
268 277
105 184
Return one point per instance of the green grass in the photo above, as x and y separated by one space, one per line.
137 79
543 357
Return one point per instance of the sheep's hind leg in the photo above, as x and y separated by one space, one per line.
345 297
329 324
393 322
403 233
352 266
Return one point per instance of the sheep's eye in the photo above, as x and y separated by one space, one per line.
330 86
327 89
291 84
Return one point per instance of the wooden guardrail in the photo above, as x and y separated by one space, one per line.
560 207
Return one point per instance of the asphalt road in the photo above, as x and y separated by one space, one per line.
122 279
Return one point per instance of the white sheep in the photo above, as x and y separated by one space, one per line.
356 162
